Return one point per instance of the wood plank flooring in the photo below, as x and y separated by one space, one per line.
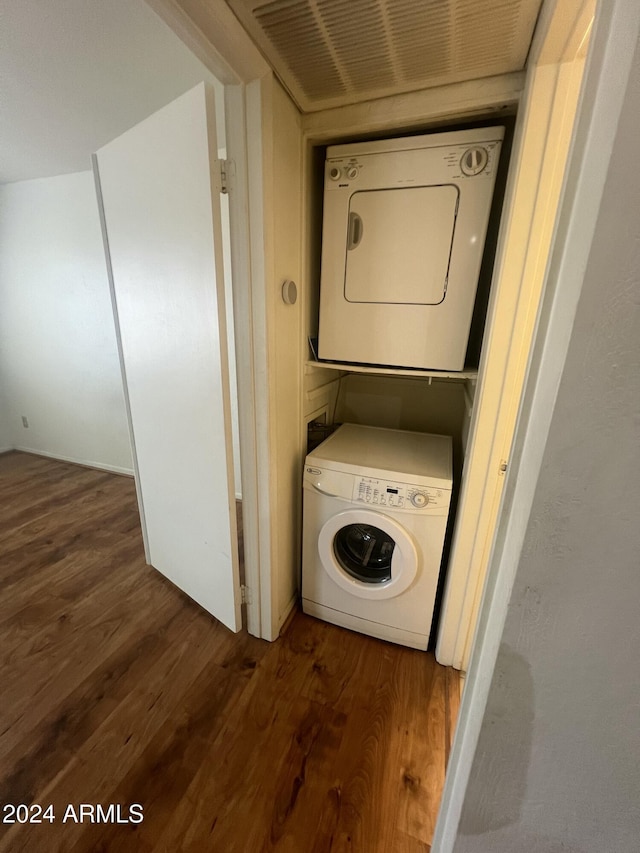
117 690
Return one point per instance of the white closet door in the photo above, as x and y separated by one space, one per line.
160 196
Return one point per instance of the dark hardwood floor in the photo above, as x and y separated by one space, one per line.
118 690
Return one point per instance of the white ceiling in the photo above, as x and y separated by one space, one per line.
75 74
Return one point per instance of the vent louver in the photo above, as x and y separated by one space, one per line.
332 52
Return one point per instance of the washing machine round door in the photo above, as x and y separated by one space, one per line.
368 554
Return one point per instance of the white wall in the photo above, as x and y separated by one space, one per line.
399 402
58 357
78 73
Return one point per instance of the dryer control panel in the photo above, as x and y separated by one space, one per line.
370 490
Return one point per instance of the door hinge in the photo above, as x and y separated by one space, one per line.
502 468
227 172
245 594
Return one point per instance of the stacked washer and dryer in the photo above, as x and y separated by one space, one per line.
404 228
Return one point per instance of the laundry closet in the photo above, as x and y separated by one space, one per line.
476 405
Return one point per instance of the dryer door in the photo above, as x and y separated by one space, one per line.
399 245
368 554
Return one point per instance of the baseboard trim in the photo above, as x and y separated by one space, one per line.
99 466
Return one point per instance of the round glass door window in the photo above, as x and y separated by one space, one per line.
364 552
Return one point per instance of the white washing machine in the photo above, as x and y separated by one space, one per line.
376 503
403 236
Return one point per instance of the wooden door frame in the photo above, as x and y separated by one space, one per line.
531 202
611 52
250 354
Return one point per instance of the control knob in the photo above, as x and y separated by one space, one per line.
474 160
419 499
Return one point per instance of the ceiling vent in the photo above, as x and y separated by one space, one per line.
334 52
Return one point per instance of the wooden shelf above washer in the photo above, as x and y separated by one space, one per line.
416 373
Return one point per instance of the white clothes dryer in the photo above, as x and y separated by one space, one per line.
376 504
403 236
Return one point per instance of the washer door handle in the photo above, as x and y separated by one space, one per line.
324 491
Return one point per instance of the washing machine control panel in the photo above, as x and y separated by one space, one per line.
370 490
